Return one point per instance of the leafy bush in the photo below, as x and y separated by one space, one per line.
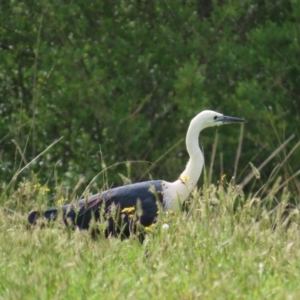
121 81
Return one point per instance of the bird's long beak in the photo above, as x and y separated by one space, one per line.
227 119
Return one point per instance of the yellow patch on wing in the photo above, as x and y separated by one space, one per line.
183 179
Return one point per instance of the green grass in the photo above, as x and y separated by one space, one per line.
225 247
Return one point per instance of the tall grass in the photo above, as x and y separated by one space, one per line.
227 246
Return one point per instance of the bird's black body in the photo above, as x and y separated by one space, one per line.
118 199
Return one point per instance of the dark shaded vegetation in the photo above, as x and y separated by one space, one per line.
121 80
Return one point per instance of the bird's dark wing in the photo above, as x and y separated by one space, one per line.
146 193
122 198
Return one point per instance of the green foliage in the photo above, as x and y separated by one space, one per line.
120 81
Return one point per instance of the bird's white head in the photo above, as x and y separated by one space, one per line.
209 118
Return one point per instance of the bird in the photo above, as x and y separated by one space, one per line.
123 207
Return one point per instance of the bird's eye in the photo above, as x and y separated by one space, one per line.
215 117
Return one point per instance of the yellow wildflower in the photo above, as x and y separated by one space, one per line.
128 210
44 189
170 213
150 227
60 201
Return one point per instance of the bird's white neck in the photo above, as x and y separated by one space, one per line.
188 179
192 172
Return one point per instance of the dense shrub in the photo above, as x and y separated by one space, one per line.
120 80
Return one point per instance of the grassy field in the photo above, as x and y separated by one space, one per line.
225 247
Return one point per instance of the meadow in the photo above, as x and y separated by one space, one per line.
225 246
